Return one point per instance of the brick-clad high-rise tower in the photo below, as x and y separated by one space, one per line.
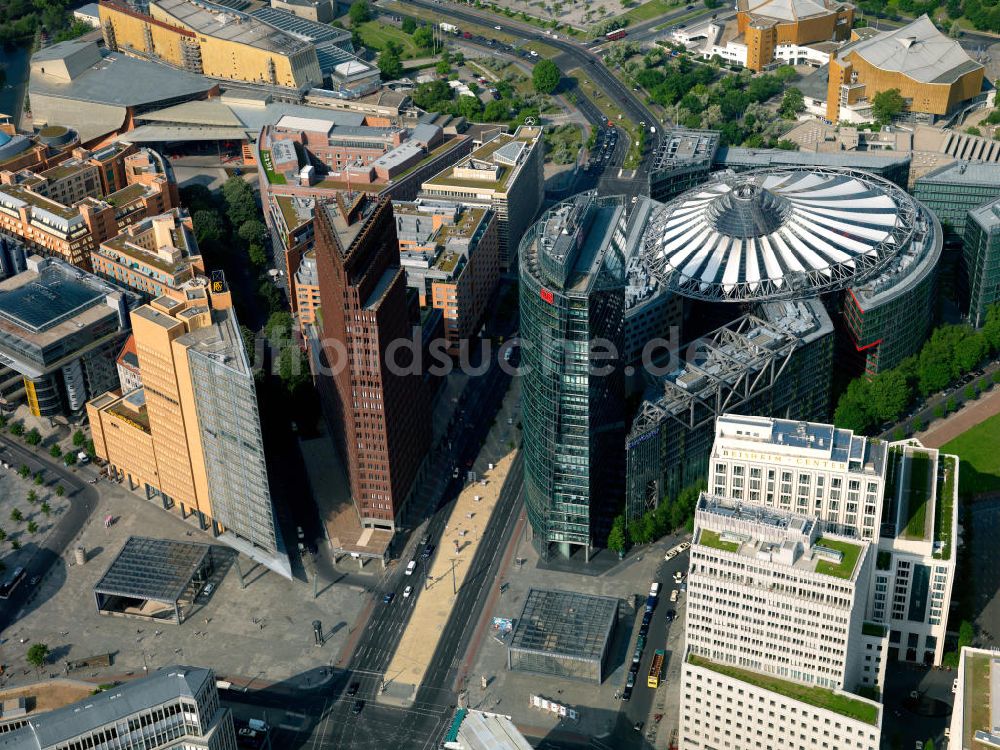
379 407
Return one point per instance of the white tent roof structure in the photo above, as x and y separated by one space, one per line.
778 233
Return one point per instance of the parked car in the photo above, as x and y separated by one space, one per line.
626 693
630 680
209 588
387 599
673 595
357 707
353 689
407 591
428 551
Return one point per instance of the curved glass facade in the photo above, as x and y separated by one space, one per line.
572 318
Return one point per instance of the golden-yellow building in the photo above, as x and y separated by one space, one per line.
196 38
190 439
766 24
932 72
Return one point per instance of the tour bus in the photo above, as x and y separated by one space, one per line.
11 583
655 668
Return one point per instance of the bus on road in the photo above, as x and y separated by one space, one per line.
613 36
655 668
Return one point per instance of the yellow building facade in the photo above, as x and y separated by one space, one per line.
220 45
766 24
931 72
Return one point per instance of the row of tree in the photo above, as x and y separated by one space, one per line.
951 352
666 517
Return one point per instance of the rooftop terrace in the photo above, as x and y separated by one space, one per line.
830 700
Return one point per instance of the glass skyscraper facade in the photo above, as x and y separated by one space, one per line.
981 260
572 319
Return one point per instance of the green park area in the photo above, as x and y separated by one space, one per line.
976 448
376 35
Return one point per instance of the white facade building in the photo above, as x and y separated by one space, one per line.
801 467
774 633
915 571
975 716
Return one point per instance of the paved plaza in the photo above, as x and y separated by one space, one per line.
28 513
262 633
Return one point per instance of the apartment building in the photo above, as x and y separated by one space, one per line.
190 439
154 257
451 257
975 716
504 173
65 212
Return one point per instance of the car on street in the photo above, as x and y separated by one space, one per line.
498 28
643 629
387 599
673 595
428 551
638 726
410 567
353 689
357 707
630 680
626 693
209 588
298 531
671 614
407 591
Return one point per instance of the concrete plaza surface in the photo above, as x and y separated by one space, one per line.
628 581
14 493
261 633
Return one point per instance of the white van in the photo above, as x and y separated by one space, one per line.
411 566
654 589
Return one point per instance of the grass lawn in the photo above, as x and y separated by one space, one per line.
649 10
429 15
977 691
979 470
944 509
917 496
816 696
375 34
711 539
273 177
843 569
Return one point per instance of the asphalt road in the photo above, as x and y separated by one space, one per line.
571 55
83 500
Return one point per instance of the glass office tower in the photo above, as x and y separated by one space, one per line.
572 318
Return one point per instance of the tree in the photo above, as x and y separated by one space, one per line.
207 226
32 527
257 255
78 438
469 107
886 105
55 451
38 479
60 490
443 68
495 111
929 744
3 535
409 25
390 65
950 405
792 103
423 37
24 472
253 232
16 515
17 429
32 497
545 77
15 544
616 537
241 205
70 458
359 12
37 655
971 130
33 437
46 509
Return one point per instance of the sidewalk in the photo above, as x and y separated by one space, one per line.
971 414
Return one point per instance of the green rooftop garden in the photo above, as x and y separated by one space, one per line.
873 628
843 569
713 539
916 496
840 703
265 161
884 560
945 508
977 697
